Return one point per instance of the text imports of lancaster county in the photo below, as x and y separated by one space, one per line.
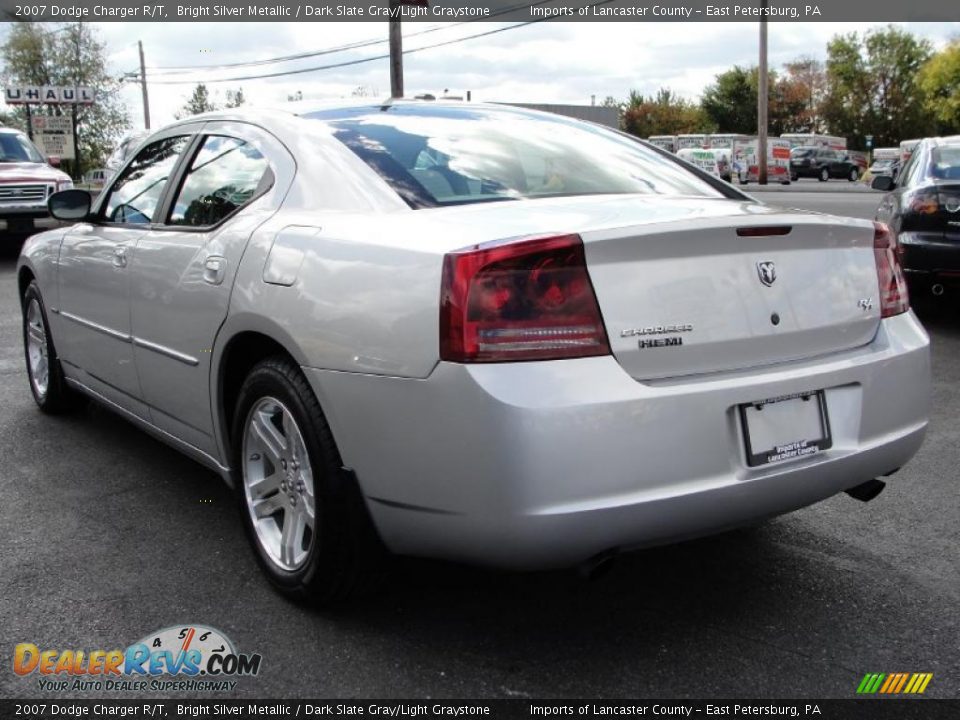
616 10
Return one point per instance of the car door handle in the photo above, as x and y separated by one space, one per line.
214 269
120 257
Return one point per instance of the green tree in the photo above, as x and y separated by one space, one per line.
198 102
67 55
940 83
731 101
666 113
873 87
235 98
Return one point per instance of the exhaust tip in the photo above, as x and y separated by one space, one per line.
867 491
937 289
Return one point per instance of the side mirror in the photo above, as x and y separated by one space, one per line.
54 160
70 205
883 182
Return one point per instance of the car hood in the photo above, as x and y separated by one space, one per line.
30 172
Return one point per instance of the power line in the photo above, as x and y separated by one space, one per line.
360 61
165 70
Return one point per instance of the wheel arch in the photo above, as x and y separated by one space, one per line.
240 345
25 276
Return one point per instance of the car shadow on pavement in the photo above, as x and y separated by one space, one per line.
940 313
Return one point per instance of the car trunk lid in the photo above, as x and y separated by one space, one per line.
692 297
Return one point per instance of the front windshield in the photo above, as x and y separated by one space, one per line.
17 148
441 155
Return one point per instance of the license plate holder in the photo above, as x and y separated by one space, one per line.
793 427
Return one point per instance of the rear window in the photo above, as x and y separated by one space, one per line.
945 162
438 156
802 152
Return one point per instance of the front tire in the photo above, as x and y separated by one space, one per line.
824 175
44 372
303 515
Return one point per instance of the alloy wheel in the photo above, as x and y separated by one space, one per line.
278 484
38 364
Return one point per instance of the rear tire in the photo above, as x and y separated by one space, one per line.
824 175
303 514
47 383
854 175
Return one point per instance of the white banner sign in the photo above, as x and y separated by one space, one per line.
53 135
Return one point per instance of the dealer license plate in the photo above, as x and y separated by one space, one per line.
785 428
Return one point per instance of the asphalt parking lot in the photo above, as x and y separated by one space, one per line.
109 535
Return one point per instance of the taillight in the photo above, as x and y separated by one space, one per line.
922 202
893 288
528 299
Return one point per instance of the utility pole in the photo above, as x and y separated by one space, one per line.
396 44
763 99
76 106
143 88
396 51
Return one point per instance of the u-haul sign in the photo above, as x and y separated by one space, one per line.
48 94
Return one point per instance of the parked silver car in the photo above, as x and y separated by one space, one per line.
472 332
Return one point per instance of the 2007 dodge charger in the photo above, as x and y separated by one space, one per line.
473 332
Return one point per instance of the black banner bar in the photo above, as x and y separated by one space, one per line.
874 709
479 10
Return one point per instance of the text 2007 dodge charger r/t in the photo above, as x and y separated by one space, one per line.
473 332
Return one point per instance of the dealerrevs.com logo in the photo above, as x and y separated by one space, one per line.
186 657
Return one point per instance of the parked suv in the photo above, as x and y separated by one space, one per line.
822 163
26 181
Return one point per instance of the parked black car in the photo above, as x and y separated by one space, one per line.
922 207
823 164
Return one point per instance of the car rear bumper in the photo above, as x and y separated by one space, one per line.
931 257
533 465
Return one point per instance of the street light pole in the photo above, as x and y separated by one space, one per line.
763 99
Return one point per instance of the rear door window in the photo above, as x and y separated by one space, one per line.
225 175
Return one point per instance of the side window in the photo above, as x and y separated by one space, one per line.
137 191
908 174
225 174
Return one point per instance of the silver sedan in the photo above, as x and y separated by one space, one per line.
473 332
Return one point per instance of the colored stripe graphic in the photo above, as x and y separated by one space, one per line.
894 683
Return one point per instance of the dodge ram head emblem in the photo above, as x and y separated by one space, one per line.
767 272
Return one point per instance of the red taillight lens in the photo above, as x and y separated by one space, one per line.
922 202
893 288
526 299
